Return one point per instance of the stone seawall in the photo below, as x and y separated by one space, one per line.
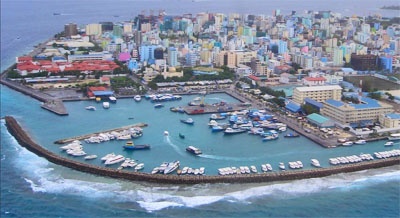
24 140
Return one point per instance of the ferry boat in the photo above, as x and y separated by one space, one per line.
131 146
171 167
189 121
114 160
106 105
394 137
90 108
193 150
137 98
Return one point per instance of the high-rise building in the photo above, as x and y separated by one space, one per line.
159 53
117 31
337 57
70 29
93 29
364 62
172 58
147 52
282 46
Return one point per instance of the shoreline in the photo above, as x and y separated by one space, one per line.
26 141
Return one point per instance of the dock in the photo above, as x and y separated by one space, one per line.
82 137
55 106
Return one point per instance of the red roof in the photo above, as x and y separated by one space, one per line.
24 58
252 77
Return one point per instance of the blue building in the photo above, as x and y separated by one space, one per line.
282 46
147 52
386 63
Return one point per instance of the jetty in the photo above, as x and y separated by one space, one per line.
25 140
82 137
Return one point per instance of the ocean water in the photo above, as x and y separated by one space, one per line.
32 186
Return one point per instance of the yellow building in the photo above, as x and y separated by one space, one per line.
93 29
172 73
368 111
389 120
317 93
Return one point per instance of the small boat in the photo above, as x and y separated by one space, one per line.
193 150
253 169
181 136
189 121
90 157
201 170
216 117
360 142
315 163
166 133
230 131
281 166
158 105
90 108
389 143
347 144
217 129
271 137
291 135
394 137
130 146
139 166
137 98
110 155
106 105
171 167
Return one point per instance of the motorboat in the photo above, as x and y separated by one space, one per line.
269 167
158 105
171 167
193 150
282 166
253 169
217 129
389 143
107 156
189 121
271 137
114 160
230 131
360 142
131 146
291 135
181 136
264 168
315 163
166 133
217 117
90 157
90 108
137 98
202 170
106 105
139 166
347 144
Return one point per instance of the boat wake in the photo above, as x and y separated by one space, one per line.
216 157
167 139
45 177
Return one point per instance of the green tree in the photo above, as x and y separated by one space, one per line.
308 109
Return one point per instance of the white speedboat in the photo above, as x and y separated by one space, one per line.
171 167
315 163
166 133
347 144
107 156
114 160
360 142
202 170
91 157
253 169
90 108
269 167
281 166
139 166
234 131
137 98
389 143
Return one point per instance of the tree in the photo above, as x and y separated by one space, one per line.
308 109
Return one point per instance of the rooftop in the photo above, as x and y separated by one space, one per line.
317 118
318 88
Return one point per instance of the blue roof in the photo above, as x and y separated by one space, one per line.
334 103
314 102
99 93
366 103
293 107
393 116
317 118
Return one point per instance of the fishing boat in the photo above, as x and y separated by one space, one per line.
193 150
189 121
131 146
181 136
90 108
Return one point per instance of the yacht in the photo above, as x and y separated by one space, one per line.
315 163
110 155
394 137
171 167
137 98
114 160
360 142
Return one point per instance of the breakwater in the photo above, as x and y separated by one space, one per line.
24 140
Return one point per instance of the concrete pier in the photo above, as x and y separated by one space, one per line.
82 137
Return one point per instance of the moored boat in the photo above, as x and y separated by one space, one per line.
230 131
394 137
114 160
291 135
217 117
193 150
137 98
171 167
347 144
158 105
112 99
90 157
360 142
281 166
189 121
315 163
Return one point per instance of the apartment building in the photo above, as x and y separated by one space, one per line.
317 93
